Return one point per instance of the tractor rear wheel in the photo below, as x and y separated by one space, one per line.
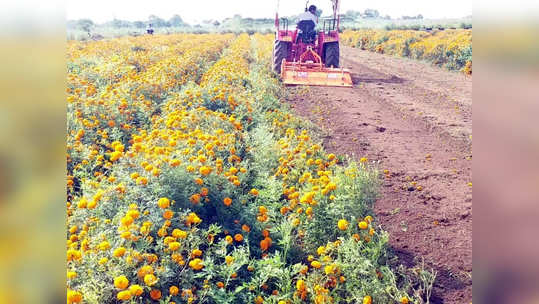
280 52
331 54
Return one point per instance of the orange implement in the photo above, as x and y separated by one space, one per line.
313 72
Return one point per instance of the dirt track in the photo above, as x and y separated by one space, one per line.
415 120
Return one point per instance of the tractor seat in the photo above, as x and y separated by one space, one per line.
306 34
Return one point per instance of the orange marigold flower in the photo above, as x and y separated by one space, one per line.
227 201
155 294
168 214
238 237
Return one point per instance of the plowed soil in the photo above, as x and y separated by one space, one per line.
415 121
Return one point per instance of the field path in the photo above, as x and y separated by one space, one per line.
415 121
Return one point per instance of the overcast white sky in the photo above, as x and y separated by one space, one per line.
194 11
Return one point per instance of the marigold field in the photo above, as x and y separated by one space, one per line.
451 48
190 182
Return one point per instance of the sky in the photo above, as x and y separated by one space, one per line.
194 11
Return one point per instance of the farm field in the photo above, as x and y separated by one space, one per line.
415 120
450 48
190 181
195 176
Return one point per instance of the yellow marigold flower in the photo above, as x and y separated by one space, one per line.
173 290
316 264
71 275
259 300
121 282
321 250
404 300
73 254
74 296
342 224
103 245
196 264
174 246
254 192
196 252
163 203
300 285
367 300
142 180
114 156
103 261
126 220
368 219
205 170
119 252
150 279
133 213
92 204
136 290
363 225
180 234
329 269
229 259
123 295
363 160
192 218
73 229
82 203
144 270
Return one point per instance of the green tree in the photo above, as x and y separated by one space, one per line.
85 24
176 21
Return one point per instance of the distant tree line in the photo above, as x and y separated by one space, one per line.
87 24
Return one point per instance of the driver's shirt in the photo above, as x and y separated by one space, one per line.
308 16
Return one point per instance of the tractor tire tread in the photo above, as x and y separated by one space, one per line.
280 51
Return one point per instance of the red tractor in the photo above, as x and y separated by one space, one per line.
309 57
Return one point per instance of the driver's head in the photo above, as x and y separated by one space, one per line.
312 9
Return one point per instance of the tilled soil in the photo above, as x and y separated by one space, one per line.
414 120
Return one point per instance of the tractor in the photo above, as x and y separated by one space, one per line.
306 56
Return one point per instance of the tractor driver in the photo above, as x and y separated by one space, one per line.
306 23
309 14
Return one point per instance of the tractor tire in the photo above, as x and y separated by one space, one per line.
331 55
280 52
